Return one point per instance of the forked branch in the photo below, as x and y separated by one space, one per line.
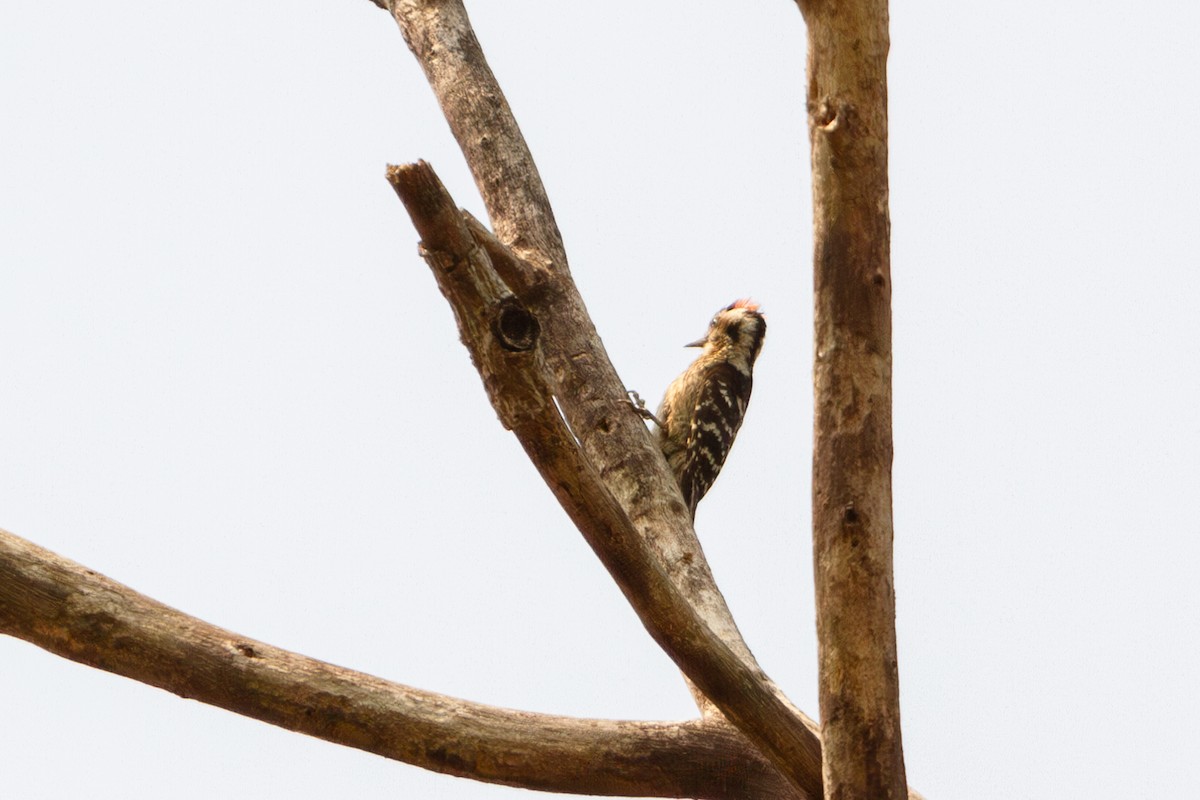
583 381
550 380
521 388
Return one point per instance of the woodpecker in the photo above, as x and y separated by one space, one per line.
703 408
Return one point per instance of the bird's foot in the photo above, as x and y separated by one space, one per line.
639 406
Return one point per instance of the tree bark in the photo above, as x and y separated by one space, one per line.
584 384
852 454
550 381
521 389
78 614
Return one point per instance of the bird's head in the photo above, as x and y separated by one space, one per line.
735 333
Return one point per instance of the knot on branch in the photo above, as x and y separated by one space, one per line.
514 327
831 116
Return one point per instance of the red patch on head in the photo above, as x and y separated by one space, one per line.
745 303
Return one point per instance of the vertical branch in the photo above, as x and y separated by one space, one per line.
852 453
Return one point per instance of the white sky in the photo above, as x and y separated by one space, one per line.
227 381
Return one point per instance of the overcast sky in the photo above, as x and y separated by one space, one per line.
227 381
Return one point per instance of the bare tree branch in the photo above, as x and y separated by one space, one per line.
550 380
852 454
586 387
76 613
519 387
585 384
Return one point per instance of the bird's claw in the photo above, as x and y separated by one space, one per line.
639 406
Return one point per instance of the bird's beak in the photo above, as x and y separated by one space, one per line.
698 343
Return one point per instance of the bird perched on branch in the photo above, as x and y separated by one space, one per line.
703 408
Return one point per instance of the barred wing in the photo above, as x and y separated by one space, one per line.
719 410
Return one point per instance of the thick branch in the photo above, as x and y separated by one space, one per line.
519 387
852 453
586 386
86 617
592 399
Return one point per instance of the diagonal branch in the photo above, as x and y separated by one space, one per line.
591 397
78 614
518 383
585 385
